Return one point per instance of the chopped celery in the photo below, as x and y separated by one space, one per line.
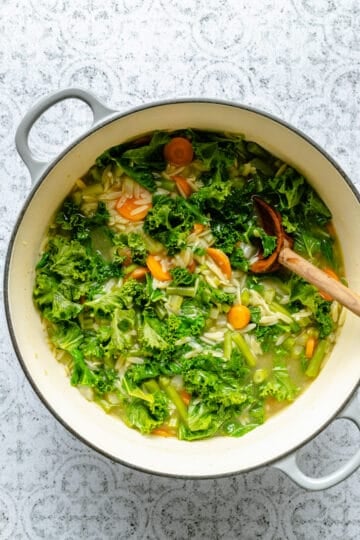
260 375
169 185
174 396
151 386
175 302
315 363
153 246
275 306
244 348
160 311
182 291
245 297
269 295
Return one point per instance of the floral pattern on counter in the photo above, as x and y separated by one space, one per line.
296 59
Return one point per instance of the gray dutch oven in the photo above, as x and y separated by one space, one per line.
275 442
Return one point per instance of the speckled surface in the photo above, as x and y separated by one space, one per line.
298 59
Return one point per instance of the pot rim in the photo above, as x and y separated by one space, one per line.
38 181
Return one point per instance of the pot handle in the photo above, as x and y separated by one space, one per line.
35 166
289 464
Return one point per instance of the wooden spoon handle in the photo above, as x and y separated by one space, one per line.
312 274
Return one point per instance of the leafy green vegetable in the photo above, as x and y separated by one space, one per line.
102 380
204 421
170 221
238 260
182 276
279 386
62 309
69 271
139 416
210 296
138 163
71 220
149 155
307 295
66 336
315 243
289 187
150 335
124 296
135 244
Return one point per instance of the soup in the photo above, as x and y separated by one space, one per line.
149 294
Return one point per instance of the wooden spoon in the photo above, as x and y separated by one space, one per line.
285 256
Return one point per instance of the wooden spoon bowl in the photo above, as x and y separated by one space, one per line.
283 255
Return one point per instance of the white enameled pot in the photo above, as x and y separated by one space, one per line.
278 439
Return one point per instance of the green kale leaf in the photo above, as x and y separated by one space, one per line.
71 220
138 162
170 221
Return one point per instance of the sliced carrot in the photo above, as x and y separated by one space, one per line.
185 396
163 432
221 260
133 209
332 274
198 228
139 273
179 151
239 316
192 266
156 269
310 347
183 186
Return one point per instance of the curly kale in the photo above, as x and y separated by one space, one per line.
170 221
138 161
71 220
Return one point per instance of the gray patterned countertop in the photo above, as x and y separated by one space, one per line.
298 59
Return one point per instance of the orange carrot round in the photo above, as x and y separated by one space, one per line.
133 209
221 259
332 274
183 186
179 151
156 269
239 316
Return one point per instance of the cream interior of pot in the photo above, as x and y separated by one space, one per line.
281 433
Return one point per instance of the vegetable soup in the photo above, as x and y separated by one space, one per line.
147 293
